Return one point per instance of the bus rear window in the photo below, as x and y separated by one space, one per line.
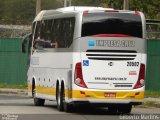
112 23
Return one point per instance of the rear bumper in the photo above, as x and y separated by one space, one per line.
98 97
106 102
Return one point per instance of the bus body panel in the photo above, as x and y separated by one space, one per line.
109 71
48 69
106 66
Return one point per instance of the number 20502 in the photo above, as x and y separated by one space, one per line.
133 64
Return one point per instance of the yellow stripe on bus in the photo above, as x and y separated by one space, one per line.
43 90
125 95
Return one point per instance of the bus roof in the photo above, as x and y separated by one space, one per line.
81 8
74 9
71 9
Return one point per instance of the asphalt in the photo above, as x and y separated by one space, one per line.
21 107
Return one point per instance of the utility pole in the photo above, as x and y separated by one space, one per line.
38 6
70 2
67 3
126 5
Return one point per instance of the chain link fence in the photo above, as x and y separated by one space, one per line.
14 31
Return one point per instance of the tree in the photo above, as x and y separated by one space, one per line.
149 7
23 11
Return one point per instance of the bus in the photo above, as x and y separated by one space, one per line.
88 56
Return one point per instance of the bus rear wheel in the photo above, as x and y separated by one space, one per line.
60 98
112 109
37 101
68 107
125 109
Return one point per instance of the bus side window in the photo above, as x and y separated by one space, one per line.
37 35
42 37
57 34
70 31
64 29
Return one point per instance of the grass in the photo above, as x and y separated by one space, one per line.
152 93
147 104
14 86
151 104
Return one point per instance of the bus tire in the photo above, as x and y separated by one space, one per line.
125 109
68 107
60 98
37 101
112 109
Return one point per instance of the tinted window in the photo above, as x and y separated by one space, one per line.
43 34
112 23
63 31
54 33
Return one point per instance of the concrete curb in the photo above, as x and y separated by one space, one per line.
157 100
13 91
153 102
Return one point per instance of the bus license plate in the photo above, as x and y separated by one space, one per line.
110 95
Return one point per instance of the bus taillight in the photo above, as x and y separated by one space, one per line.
86 12
137 13
78 76
140 83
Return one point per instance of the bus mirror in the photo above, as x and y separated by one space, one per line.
26 43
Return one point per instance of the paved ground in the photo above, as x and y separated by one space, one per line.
157 100
21 107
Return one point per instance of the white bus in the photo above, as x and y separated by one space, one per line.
88 55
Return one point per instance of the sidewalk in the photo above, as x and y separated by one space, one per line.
13 91
151 102
157 100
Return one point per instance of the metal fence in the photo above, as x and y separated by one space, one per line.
14 31
13 67
153 65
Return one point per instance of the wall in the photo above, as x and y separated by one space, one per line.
13 65
153 65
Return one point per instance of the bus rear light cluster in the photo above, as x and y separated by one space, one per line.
78 80
140 83
137 13
86 12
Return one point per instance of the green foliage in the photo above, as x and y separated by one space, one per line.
23 11
152 93
149 7
50 4
17 11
